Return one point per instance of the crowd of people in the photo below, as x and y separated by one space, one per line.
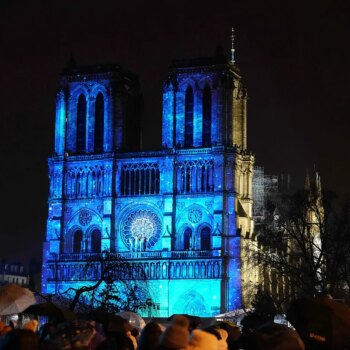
180 332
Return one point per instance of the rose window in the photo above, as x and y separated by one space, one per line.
195 215
84 217
141 230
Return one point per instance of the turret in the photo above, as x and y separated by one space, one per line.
96 110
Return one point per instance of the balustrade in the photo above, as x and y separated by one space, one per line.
140 255
172 269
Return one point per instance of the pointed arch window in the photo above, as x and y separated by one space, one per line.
189 117
187 239
81 124
77 241
99 122
205 238
96 241
206 130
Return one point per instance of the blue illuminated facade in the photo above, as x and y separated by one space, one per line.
179 213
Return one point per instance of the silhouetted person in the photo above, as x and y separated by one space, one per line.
20 339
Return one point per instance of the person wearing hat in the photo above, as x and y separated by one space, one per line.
149 337
117 332
203 340
176 336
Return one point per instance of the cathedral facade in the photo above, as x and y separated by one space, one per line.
181 214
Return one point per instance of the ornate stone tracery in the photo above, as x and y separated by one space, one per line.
141 230
195 215
85 217
195 176
140 179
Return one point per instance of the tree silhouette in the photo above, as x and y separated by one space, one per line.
304 246
120 286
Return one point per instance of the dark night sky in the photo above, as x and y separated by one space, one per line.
294 56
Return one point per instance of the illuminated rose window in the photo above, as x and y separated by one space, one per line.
84 217
141 230
195 215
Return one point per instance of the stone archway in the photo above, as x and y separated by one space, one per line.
191 303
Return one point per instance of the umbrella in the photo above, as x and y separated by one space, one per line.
50 310
321 322
14 299
133 318
111 322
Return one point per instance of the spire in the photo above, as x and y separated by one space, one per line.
318 184
318 187
313 182
232 45
307 181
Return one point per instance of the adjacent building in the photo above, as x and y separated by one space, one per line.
12 272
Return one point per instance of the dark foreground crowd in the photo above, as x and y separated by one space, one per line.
180 333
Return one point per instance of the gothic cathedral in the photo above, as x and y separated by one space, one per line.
182 214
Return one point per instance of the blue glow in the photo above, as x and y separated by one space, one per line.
129 199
